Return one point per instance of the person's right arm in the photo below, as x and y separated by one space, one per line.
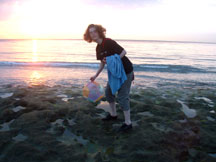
101 67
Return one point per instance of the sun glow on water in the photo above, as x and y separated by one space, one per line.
35 78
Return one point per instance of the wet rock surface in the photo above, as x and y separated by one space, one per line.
170 124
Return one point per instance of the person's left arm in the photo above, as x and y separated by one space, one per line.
123 53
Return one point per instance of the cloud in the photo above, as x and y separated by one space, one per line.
6 8
147 18
121 3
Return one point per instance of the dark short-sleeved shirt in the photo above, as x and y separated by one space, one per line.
110 47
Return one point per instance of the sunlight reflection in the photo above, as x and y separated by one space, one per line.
34 51
35 78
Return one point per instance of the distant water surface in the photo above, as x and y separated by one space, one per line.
154 61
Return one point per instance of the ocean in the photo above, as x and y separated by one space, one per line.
69 62
42 107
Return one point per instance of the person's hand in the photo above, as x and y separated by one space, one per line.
104 60
93 78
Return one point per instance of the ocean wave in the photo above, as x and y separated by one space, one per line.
137 67
171 68
49 64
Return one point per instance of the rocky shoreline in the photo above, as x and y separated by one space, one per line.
56 124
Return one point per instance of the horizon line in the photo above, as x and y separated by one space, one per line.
145 40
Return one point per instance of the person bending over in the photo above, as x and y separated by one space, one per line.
107 47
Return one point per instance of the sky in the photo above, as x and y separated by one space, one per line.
172 20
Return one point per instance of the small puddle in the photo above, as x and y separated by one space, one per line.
190 113
116 125
104 106
101 115
183 121
146 113
6 95
66 99
20 137
212 111
69 138
5 126
135 123
161 128
62 96
210 118
164 96
92 148
18 108
59 123
71 121
212 155
210 103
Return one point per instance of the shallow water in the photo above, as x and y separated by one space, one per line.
190 113
213 155
146 113
6 95
212 111
18 108
6 126
161 127
104 106
69 138
210 103
210 118
20 137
